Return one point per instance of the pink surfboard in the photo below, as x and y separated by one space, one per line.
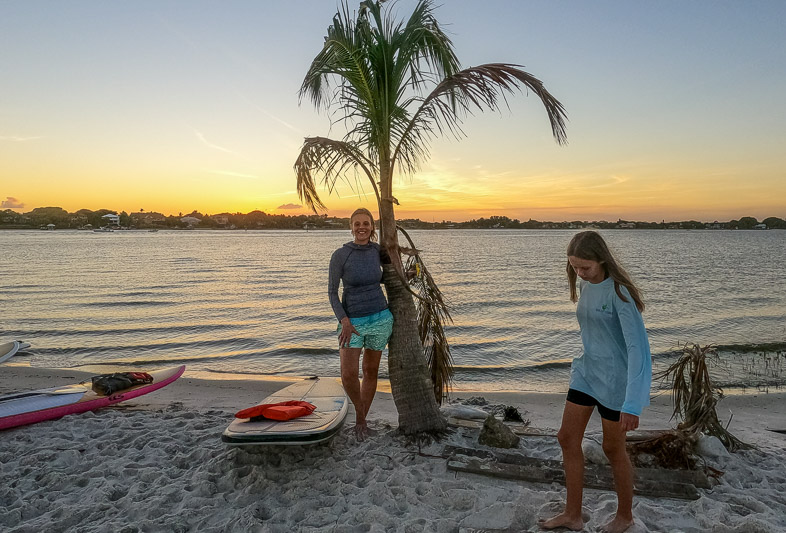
20 409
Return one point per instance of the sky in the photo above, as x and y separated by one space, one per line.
676 109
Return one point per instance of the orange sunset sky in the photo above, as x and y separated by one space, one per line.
676 109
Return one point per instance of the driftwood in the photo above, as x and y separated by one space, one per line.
655 482
525 430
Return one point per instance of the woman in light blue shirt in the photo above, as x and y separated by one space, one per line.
614 373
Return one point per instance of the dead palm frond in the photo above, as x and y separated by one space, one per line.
332 160
673 449
433 315
695 397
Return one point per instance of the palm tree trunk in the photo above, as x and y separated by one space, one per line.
410 379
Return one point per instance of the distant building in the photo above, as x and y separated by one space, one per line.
627 225
148 218
760 226
191 221
111 219
221 220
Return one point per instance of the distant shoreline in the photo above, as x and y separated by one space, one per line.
147 229
58 218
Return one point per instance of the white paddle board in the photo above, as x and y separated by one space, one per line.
331 404
9 349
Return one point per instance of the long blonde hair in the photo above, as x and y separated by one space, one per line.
589 245
364 211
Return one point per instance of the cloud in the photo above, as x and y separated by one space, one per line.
232 174
211 145
290 206
11 203
280 121
16 138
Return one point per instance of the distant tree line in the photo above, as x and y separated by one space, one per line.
41 217
500 222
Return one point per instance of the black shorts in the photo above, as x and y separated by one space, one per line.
580 398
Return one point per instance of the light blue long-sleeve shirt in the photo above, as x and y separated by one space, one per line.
615 367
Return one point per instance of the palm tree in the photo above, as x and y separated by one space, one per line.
382 69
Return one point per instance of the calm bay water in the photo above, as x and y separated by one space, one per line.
255 303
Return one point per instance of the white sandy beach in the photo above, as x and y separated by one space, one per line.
157 464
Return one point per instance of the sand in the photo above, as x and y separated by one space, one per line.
157 464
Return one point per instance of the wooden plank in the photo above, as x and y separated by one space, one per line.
549 474
593 473
529 431
694 477
483 530
517 428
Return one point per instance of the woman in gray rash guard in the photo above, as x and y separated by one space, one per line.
365 323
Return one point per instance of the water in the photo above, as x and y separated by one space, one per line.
255 303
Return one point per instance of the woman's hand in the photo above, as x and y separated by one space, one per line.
628 421
347 329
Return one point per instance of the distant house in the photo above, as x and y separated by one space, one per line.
79 220
111 219
626 225
221 220
760 226
191 221
151 217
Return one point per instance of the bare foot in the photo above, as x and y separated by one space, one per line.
618 525
361 431
562 520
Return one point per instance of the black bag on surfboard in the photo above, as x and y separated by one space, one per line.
107 384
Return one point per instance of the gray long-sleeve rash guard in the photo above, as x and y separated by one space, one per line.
359 268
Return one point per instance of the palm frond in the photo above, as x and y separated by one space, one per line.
694 395
341 55
332 160
422 41
482 87
433 314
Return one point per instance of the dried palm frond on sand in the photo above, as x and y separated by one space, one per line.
695 398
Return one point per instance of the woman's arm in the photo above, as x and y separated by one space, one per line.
334 279
637 392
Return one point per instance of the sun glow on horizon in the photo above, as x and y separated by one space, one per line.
198 116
